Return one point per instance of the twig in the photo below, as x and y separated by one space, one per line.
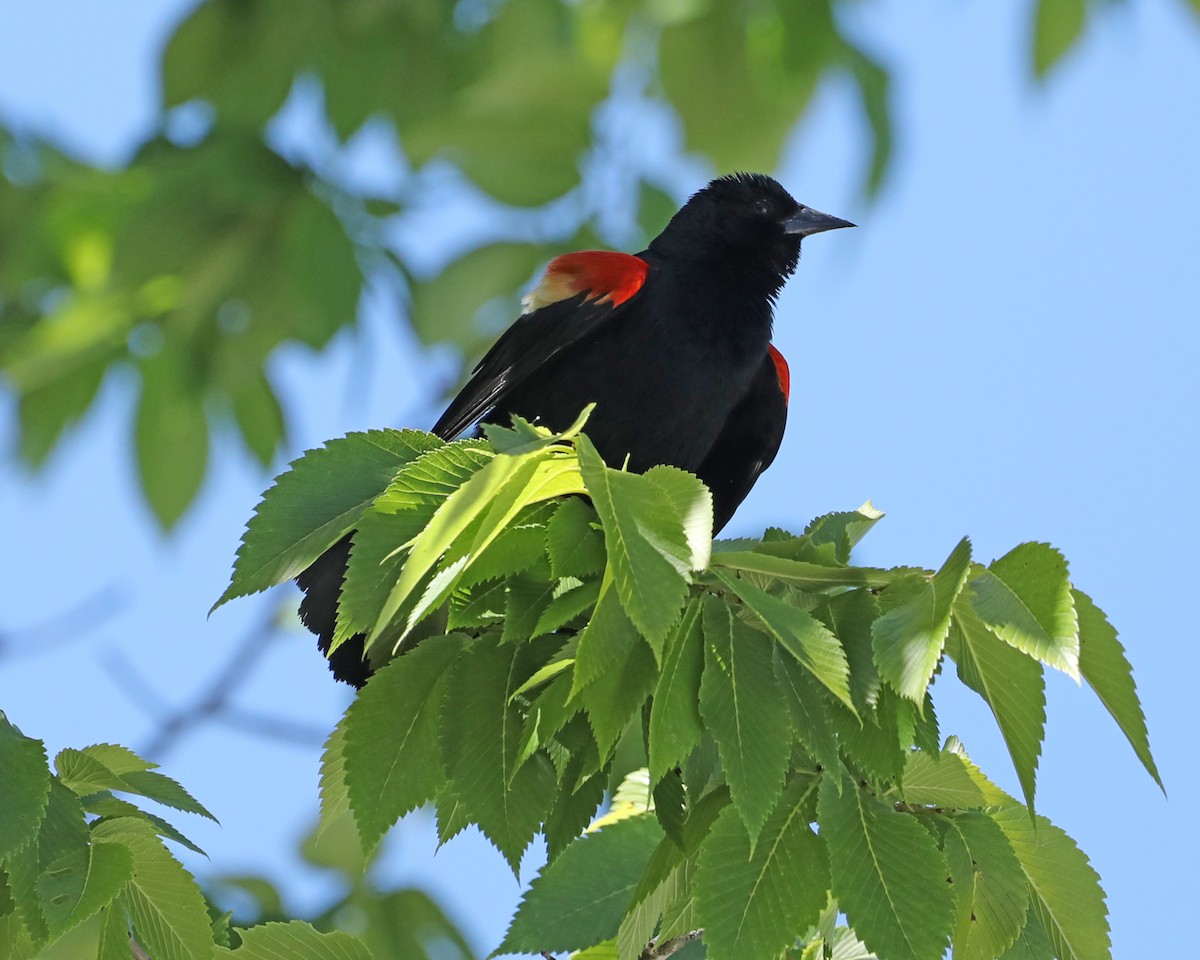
662 950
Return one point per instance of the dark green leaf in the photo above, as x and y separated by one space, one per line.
574 545
675 724
755 899
391 750
312 505
24 788
579 899
990 890
889 876
481 742
741 704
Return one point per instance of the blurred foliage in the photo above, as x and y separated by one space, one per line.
206 252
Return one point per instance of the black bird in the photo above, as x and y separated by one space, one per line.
672 344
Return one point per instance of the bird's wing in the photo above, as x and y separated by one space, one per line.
578 293
749 440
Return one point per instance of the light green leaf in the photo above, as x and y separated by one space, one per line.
167 908
843 529
24 788
1057 26
889 877
85 772
991 895
294 940
1067 896
391 737
481 734
947 781
799 633
850 616
675 724
1032 944
1104 666
114 936
579 899
312 505
741 704
693 503
1013 687
647 548
803 573
1025 597
909 635
82 882
398 515
755 899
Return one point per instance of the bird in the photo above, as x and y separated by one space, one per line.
672 344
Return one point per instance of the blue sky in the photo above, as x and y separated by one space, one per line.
1005 348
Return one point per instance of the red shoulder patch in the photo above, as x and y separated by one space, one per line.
781 371
601 275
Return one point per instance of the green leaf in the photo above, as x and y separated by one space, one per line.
810 715
294 940
335 794
908 637
259 416
241 58
166 906
86 772
803 574
1103 665
61 833
615 694
675 724
1067 896
573 810
850 616
574 545
170 435
873 83
481 741
1032 944
799 633
741 705
608 637
24 788
1013 687
1025 597
312 505
755 899
397 516
990 891
579 899
843 529
947 781
391 737
1057 26
528 597
81 883
105 805
693 504
567 606
114 936
889 877
647 548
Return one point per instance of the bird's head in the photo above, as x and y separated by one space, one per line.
745 222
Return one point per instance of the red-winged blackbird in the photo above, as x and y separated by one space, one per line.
673 346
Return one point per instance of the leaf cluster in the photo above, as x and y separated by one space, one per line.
554 629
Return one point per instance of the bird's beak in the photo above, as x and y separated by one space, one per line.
807 221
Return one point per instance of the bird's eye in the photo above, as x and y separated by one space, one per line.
762 206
